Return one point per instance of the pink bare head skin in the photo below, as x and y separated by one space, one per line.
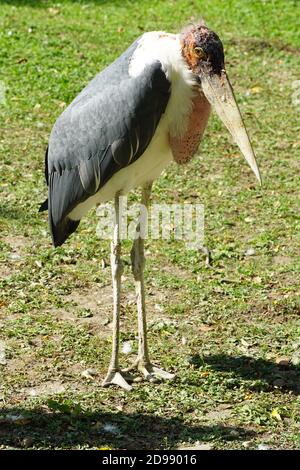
202 48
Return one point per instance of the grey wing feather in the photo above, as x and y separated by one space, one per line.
107 127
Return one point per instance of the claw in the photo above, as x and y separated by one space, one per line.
116 378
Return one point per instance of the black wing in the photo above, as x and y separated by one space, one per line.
107 127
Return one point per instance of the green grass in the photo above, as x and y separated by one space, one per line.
238 318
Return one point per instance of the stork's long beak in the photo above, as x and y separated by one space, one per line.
219 93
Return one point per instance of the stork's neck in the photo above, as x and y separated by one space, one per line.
167 49
187 111
185 146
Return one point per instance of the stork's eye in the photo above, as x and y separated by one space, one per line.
200 53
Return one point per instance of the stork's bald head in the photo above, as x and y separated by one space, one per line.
202 48
203 52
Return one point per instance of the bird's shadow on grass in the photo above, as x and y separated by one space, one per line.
261 374
43 429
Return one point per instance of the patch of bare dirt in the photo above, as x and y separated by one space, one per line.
176 271
276 308
221 413
5 271
17 243
17 246
93 306
282 260
44 389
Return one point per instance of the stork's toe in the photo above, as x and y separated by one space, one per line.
117 378
151 372
155 374
161 373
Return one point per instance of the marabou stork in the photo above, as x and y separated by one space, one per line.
148 108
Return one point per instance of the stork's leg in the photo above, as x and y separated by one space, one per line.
143 363
114 375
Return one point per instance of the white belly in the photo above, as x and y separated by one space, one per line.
147 168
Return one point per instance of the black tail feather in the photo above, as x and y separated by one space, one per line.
44 206
63 230
46 167
61 227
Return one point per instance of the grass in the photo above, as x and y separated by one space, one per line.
238 378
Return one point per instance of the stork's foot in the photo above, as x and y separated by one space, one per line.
116 377
151 372
155 374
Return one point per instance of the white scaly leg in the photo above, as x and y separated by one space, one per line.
114 375
143 364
